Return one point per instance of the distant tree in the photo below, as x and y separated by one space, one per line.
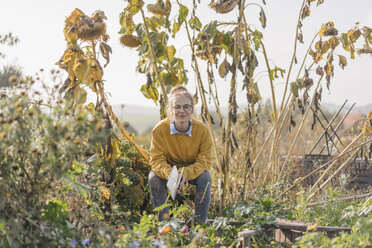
6 72
8 40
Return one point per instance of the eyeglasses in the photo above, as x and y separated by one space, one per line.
186 108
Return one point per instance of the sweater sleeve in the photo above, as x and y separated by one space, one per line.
203 158
157 156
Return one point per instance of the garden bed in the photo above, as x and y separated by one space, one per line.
286 231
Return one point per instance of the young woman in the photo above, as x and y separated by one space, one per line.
183 141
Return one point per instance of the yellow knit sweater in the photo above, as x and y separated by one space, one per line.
193 153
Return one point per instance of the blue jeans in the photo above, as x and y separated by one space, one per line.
202 197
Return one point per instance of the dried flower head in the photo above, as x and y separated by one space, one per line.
91 32
330 31
13 79
319 71
223 6
105 194
365 50
158 8
130 40
307 83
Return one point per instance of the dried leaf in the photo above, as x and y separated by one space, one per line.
331 31
322 30
263 18
333 42
223 7
105 51
342 62
300 37
367 126
195 23
150 92
353 35
224 68
319 70
319 2
294 89
305 12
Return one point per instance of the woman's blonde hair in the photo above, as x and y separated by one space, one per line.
176 91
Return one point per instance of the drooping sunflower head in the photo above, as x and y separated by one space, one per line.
331 31
158 8
91 32
130 40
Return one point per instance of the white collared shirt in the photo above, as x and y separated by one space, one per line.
173 129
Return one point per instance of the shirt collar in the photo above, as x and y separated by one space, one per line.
173 129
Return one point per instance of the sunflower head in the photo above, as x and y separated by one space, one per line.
130 40
91 31
331 31
158 8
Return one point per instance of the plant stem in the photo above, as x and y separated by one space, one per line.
299 130
329 168
152 59
117 121
324 165
334 174
294 54
271 80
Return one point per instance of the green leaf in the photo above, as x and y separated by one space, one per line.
227 42
210 29
263 18
155 23
134 6
150 92
81 188
162 207
195 23
169 78
55 210
294 89
182 77
140 30
171 51
153 38
175 29
257 36
184 11
122 19
160 50
274 72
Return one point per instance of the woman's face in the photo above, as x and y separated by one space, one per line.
182 109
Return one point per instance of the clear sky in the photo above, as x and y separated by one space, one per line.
39 26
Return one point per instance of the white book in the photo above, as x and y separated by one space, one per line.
174 181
